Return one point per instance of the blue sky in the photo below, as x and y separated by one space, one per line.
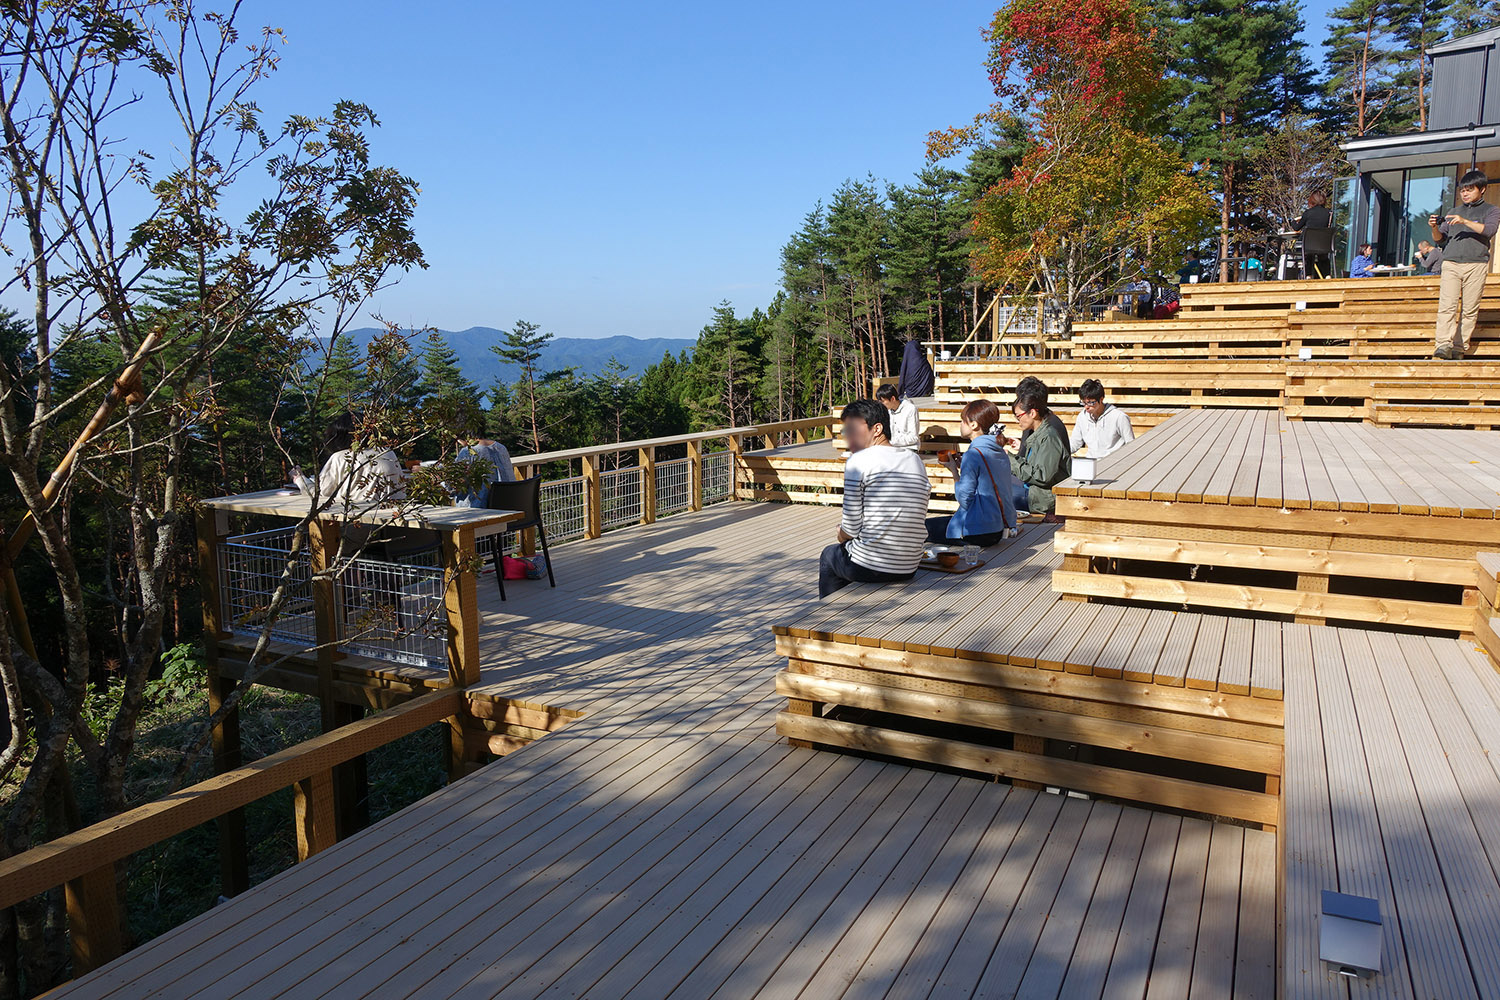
604 168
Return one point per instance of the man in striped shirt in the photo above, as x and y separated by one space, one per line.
884 526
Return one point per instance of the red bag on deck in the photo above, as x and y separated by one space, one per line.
515 569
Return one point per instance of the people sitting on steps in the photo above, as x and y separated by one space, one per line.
1102 428
906 429
884 528
1043 460
983 484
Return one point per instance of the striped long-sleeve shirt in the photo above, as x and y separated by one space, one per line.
885 508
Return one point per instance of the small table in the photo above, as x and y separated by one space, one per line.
295 505
1392 269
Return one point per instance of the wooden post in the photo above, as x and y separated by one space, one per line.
461 606
1074 564
593 519
1312 583
94 919
800 435
736 448
695 470
313 804
323 537
801 706
648 484
234 861
1024 743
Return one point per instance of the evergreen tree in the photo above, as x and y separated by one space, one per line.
522 347
1367 86
1416 26
613 390
442 375
927 261
1469 16
341 381
724 357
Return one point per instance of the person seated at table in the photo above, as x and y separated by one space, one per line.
1315 216
1032 384
359 476
1043 461
1429 259
1101 427
1362 266
983 484
496 455
905 428
884 526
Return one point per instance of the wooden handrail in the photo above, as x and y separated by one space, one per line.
752 430
77 854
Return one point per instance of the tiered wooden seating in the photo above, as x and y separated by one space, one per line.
1115 691
1318 520
1151 383
1449 393
1486 617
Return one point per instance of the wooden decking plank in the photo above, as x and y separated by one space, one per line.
1208 653
881 942
839 941
1296 492
1055 634
1377 482
1088 966
1111 619
1161 477
1243 487
1358 851
1221 484
1141 456
1146 652
1020 827
1270 488
1013 579
1213 961
1177 940
1177 633
1466 868
1265 660
1214 455
1115 657
788 950
1047 964
986 934
1239 645
1135 948
1255 949
1346 492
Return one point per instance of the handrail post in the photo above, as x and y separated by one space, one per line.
593 518
94 918
736 449
648 484
461 608
234 866
695 472
325 805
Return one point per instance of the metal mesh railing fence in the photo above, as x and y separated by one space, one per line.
620 497
674 486
718 477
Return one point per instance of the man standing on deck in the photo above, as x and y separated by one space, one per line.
1464 236
884 526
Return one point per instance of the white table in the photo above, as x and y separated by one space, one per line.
295 505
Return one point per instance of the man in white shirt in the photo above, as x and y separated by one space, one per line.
884 527
1101 427
905 429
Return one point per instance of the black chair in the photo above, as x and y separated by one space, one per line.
1317 253
525 496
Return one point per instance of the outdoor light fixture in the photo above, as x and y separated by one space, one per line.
1349 934
1083 469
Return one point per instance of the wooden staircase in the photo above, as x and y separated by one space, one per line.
1486 618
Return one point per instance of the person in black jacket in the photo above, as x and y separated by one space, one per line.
915 378
1316 216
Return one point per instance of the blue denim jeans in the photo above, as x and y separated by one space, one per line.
836 571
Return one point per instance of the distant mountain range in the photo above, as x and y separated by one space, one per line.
482 366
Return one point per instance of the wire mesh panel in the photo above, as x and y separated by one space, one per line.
563 512
393 611
674 486
620 497
251 568
718 477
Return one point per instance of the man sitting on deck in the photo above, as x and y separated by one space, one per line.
1042 462
1102 427
905 428
884 526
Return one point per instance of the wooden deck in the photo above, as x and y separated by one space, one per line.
668 844
1316 520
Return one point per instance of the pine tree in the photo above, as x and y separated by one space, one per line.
614 390
523 347
724 357
1469 16
927 260
1365 85
1416 26
342 384
442 375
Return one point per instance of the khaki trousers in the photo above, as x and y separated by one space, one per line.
1460 286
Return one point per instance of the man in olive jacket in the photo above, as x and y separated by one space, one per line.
1045 460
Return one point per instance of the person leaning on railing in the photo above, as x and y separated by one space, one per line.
1464 235
884 527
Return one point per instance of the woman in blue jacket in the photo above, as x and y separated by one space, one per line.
984 486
